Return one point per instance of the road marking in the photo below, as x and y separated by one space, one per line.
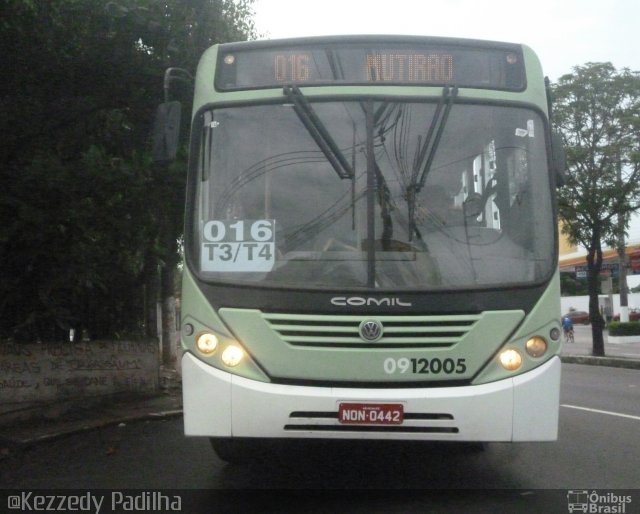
602 412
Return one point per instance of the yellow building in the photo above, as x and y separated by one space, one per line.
572 256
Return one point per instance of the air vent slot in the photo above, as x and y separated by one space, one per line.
414 423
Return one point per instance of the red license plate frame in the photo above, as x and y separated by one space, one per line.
352 413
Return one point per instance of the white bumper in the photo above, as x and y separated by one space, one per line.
523 408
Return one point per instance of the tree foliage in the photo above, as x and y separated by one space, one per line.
88 219
597 111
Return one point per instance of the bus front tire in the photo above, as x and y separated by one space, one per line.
233 451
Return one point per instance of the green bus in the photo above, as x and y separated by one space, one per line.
370 243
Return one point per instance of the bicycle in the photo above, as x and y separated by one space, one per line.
568 335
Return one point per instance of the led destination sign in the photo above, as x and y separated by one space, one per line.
472 66
410 68
297 68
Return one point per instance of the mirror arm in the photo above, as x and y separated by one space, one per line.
174 74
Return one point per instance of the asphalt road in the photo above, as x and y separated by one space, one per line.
598 448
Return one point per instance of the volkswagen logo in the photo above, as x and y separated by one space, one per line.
370 330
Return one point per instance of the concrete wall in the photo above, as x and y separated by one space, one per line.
581 303
68 371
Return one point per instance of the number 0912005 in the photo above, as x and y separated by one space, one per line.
425 366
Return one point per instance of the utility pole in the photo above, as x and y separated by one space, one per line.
622 257
622 263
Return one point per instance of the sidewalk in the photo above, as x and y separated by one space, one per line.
167 402
616 355
93 414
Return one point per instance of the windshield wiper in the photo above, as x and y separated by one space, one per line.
437 126
428 150
319 132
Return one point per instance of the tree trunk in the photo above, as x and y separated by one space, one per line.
597 325
169 332
151 299
594 265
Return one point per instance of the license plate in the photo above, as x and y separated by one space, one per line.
371 413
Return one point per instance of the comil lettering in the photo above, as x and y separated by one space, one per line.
410 68
358 301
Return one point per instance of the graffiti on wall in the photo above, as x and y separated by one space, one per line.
40 372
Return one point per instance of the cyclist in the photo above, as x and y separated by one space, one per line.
567 326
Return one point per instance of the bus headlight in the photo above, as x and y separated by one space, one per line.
232 355
207 343
536 346
510 359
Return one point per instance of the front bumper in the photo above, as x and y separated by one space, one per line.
522 408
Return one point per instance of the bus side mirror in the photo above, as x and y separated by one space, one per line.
166 132
558 159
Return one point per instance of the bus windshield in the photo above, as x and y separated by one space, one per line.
417 202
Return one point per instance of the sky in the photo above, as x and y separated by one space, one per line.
564 33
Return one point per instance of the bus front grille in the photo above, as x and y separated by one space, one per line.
331 331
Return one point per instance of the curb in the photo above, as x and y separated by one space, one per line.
87 426
614 362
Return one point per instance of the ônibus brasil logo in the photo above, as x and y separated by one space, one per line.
582 500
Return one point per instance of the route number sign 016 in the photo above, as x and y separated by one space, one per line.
238 246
